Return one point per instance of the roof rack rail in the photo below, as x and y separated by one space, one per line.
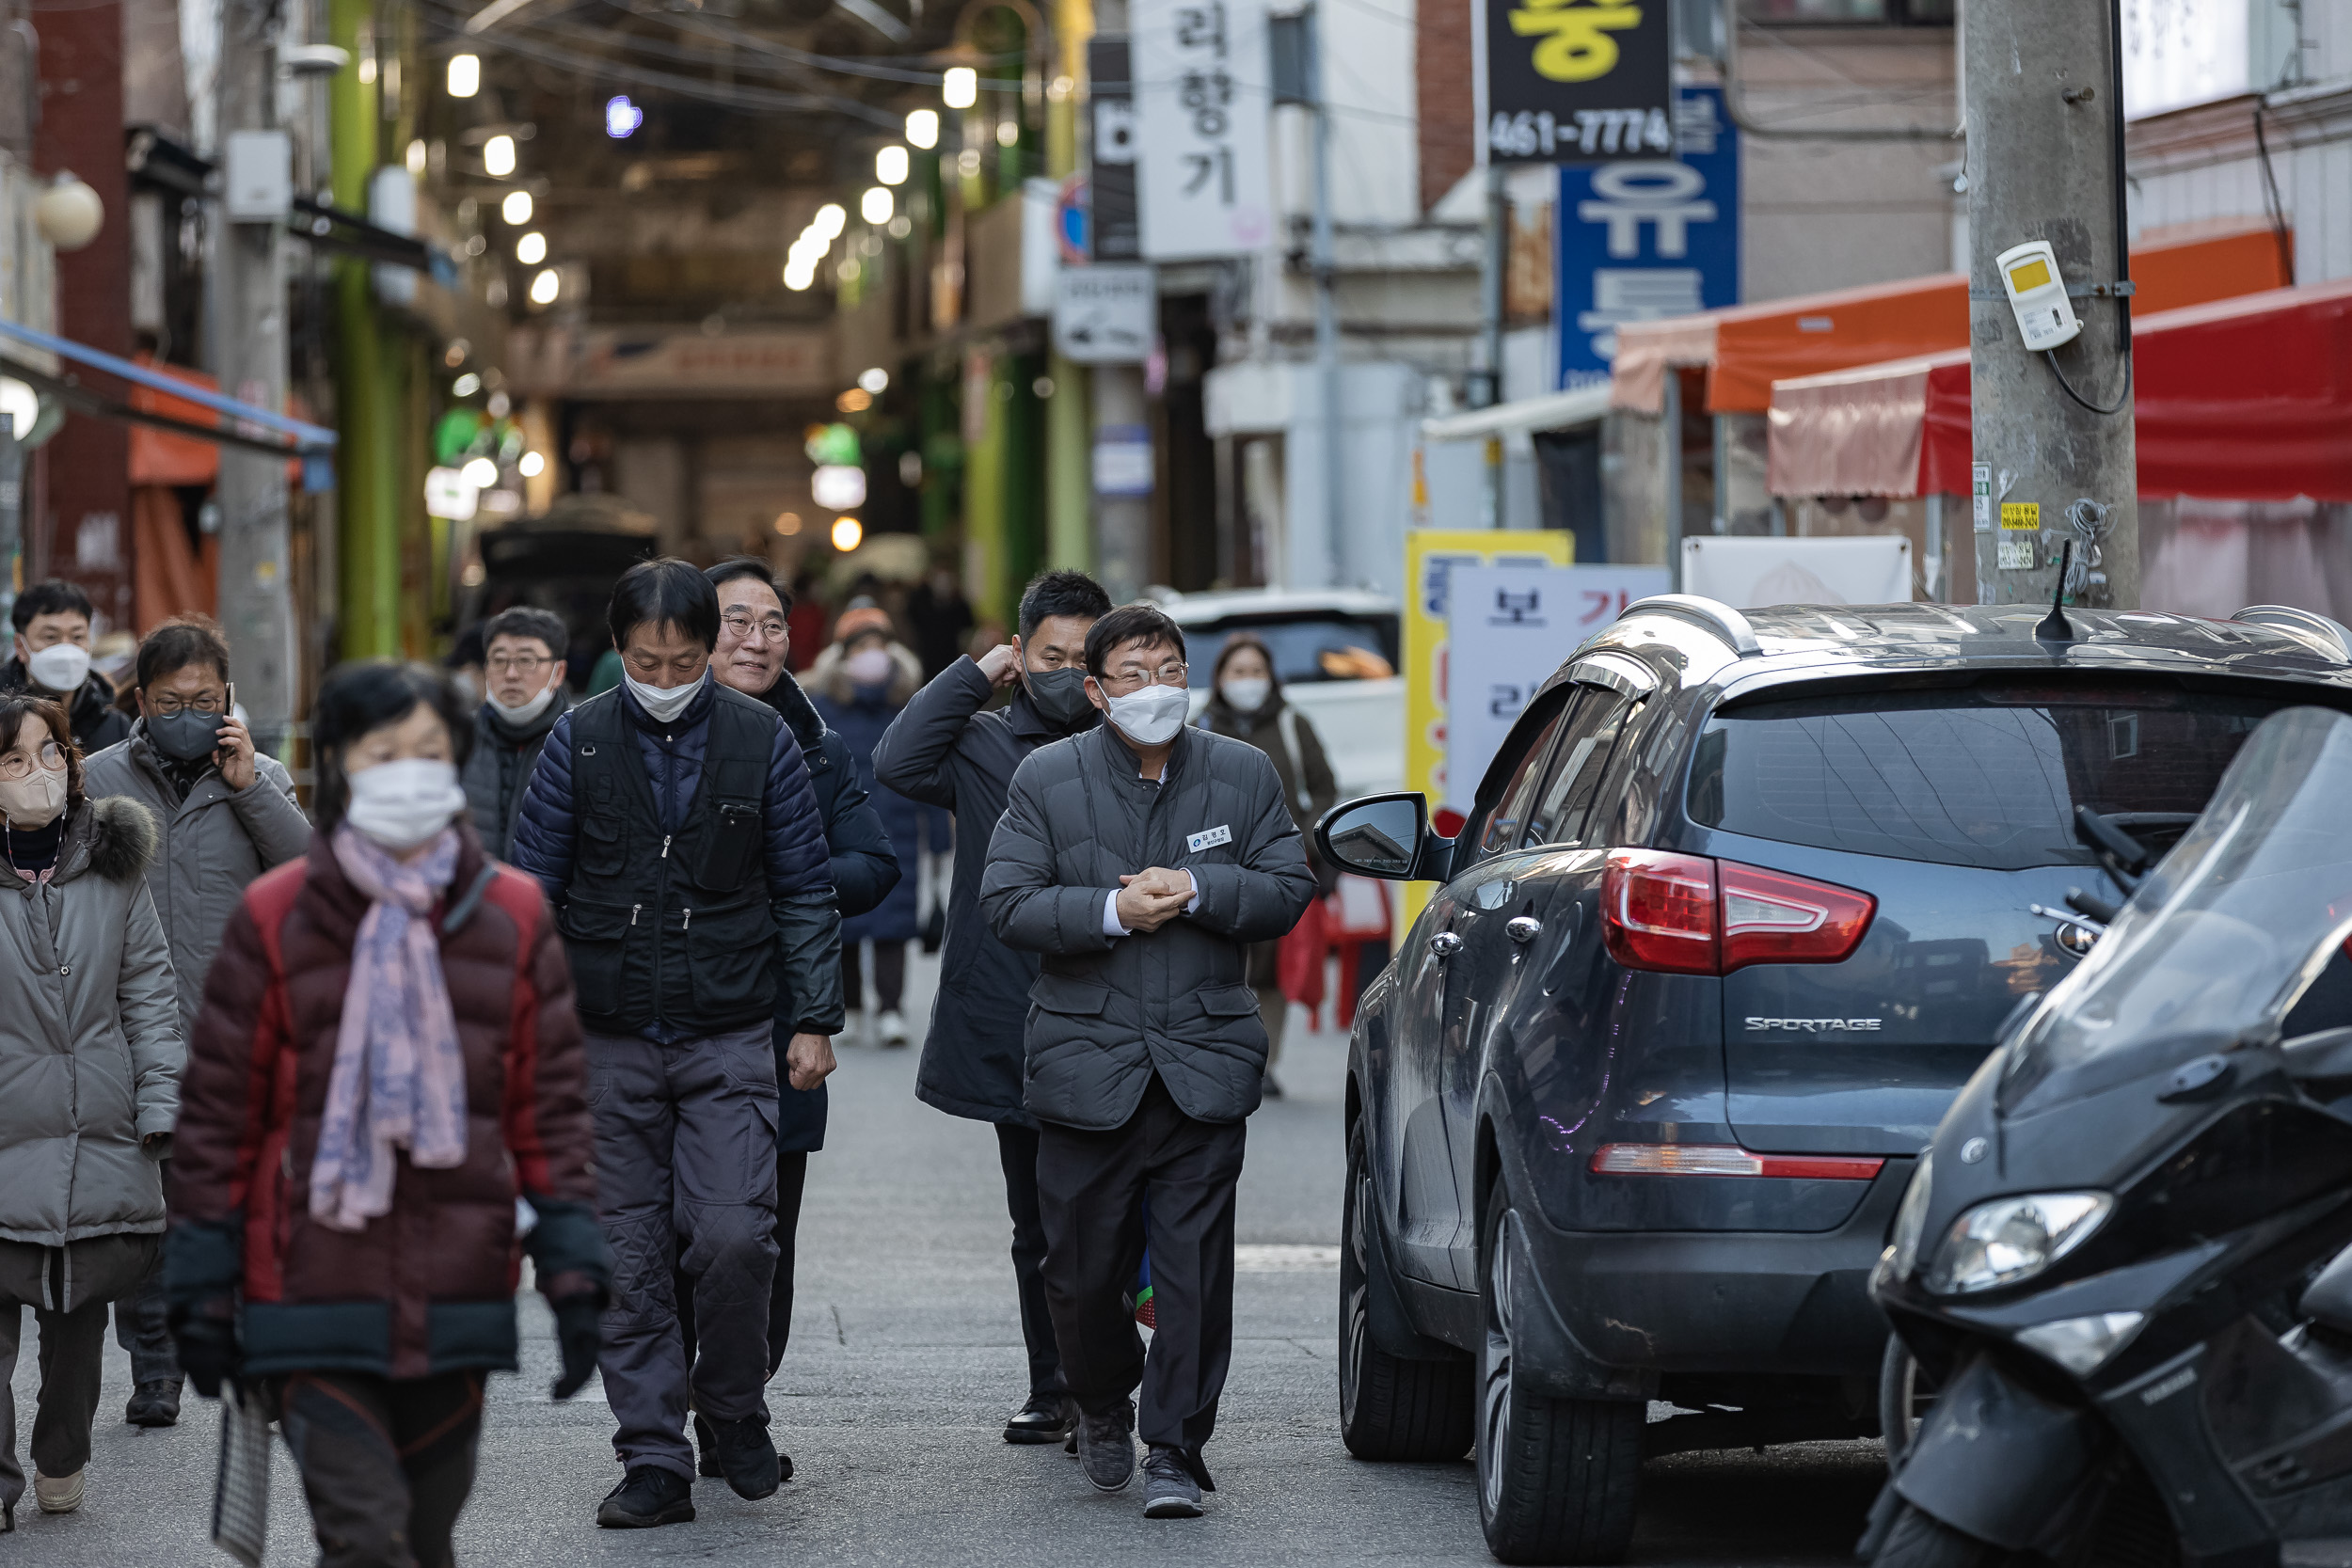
2331 638
1707 615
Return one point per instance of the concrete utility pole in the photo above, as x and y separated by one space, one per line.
1326 263
2044 162
249 315
1486 382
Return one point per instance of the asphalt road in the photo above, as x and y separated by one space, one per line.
905 1359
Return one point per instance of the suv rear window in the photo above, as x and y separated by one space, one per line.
1987 775
1318 648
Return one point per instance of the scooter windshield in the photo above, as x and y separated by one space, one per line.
2224 935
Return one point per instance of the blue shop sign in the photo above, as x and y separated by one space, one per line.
1646 238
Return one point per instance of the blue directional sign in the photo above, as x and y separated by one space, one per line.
1644 238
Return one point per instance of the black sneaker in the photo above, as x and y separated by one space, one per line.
1169 1491
647 1496
749 1462
155 1405
1046 1419
1106 1448
706 1445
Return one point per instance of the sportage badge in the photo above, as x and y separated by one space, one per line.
1816 1025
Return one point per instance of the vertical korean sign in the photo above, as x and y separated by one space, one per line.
1646 237
1575 80
1203 102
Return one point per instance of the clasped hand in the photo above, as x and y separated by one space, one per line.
1149 898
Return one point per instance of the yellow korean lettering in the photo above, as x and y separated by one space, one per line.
1579 47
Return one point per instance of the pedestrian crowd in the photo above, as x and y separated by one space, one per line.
296 1094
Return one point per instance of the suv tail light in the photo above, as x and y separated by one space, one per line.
1658 911
1686 914
1729 1159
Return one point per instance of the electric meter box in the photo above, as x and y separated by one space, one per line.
2038 293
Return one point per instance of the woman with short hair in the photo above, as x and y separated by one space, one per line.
89 1066
386 1062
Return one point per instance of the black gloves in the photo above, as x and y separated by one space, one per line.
209 1352
578 1335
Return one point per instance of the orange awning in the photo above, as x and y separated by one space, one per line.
1746 348
165 457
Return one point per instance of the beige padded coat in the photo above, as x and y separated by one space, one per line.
91 1048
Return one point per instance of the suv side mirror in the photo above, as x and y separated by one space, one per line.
1386 837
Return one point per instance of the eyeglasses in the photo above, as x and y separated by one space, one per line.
168 703
742 622
519 664
16 765
1132 678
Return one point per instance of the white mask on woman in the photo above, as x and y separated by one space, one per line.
401 804
1245 693
1152 715
869 666
34 801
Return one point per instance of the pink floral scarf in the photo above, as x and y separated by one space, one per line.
399 1080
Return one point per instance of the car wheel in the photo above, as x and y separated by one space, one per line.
1558 1478
1920 1541
1390 1408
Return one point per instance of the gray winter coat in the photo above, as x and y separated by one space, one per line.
216 840
91 1048
1107 1013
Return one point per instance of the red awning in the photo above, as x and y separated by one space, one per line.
2248 399
1744 349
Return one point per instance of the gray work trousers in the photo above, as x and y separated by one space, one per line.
686 1185
67 1289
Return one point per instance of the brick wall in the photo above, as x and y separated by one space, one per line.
1444 86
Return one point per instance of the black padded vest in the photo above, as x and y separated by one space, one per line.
666 927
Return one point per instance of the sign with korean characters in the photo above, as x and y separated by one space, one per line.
1203 88
1509 629
1646 237
1576 81
1106 314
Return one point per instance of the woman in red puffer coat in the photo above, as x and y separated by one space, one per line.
387 1059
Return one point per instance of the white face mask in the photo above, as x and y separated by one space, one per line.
1246 695
61 667
401 804
35 801
523 713
1152 715
869 666
659 705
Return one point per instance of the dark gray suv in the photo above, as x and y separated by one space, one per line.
1742 901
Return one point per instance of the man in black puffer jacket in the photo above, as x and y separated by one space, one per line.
1140 861
948 748
673 824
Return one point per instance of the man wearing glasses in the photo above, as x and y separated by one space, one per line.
523 667
227 814
1141 859
755 643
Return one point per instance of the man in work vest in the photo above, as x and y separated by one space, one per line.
673 824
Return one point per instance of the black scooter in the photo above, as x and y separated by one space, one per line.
2125 1265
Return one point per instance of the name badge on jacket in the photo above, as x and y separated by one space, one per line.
1209 839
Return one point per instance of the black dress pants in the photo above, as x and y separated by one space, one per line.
1016 1149
1089 1187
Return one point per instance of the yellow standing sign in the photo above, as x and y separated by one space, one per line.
1430 557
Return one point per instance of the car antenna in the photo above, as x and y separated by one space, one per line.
2054 627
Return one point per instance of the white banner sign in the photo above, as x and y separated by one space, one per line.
1204 107
1745 572
1508 630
